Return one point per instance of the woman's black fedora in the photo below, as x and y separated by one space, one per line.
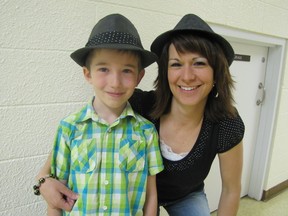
194 24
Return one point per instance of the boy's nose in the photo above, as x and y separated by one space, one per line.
115 80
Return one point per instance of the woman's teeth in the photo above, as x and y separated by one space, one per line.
187 88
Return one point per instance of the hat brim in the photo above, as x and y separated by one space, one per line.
147 58
162 39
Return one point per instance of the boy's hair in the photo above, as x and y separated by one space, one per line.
216 108
132 52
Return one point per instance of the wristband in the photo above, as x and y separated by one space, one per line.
40 182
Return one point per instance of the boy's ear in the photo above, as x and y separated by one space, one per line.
86 74
141 75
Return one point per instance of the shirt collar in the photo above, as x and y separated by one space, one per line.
88 112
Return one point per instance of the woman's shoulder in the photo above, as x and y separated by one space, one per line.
234 122
231 132
142 102
139 93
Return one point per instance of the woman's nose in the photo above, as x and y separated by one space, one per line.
188 73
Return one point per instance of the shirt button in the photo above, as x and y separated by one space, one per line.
106 182
104 208
109 130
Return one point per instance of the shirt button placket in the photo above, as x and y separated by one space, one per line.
106 181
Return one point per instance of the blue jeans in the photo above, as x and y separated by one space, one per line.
194 204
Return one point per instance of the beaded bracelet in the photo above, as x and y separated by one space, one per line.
41 181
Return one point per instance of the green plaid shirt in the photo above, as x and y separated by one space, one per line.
107 165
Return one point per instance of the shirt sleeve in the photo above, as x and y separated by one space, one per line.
231 132
60 163
155 164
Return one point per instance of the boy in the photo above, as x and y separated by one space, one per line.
105 151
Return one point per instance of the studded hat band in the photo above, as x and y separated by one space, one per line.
113 37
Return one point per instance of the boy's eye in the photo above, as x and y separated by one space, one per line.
127 70
103 69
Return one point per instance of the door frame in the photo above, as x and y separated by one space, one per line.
268 113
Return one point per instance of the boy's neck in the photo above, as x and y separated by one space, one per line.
107 113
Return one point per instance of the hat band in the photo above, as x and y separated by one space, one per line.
113 37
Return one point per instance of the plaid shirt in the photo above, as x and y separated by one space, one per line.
107 165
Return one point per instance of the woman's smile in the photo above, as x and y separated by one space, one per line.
185 88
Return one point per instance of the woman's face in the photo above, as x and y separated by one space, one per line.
190 78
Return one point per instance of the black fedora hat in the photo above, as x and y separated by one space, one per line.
114 32
194 24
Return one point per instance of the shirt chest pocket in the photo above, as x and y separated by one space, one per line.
84 156
132 155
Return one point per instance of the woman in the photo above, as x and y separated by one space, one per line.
192 108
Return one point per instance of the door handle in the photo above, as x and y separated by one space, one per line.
261 90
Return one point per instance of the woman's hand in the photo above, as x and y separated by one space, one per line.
57 195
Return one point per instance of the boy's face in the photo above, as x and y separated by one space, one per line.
114 76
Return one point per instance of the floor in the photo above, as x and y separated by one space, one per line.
277 206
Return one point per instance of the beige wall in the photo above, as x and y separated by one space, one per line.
39 83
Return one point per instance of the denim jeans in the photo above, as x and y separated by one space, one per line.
194 204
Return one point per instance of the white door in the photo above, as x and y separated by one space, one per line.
249 91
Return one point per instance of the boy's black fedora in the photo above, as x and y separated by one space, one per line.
194 24
114 32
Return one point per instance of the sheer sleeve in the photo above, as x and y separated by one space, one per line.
231 132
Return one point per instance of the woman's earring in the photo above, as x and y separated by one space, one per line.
215 90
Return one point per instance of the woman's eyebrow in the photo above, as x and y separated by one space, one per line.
176 59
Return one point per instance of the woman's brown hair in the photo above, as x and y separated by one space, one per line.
220 100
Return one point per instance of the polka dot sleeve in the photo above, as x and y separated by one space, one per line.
231 132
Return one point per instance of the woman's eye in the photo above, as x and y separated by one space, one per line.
175 64
200 63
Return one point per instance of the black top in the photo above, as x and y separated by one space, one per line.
179 178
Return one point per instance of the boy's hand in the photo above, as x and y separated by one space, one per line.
57 195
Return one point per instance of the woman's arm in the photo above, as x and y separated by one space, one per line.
55 193
151 203
231 163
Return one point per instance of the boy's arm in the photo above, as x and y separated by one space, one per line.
53 191
151 203
54 212
46 169
155 165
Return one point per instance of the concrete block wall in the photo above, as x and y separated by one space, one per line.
40 84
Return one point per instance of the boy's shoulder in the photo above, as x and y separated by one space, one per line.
78 116
144 122
140 120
